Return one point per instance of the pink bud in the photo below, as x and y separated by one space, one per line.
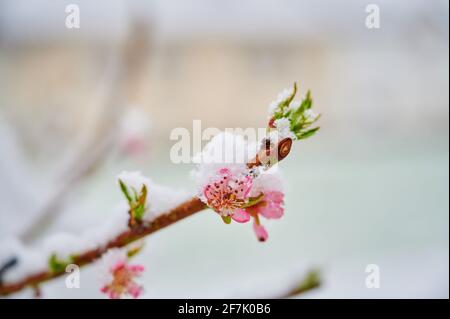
260 232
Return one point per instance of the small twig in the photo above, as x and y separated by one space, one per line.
136 232
309 282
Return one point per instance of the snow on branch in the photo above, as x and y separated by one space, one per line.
236 179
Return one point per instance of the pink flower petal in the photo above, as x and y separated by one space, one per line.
271 211
243 186
240 216
218 186
114 295
118 265
260 232
226 192
275 197
123 280
134 290
137 269
272 205
224 171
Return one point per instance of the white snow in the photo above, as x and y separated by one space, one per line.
34 259
269 180
134 180
225 150
311 115
283 127
161 199
63 245
134 122
209 163
283 95
108 260
272 107
294 105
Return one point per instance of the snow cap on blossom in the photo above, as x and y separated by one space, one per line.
222 177
268 180
234 191
225 150
293 119
134 186
117 276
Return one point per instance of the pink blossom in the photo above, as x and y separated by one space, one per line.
227 193
120 276
270 207
243 197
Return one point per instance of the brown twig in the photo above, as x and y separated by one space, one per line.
138 231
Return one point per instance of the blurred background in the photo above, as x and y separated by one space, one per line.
77 106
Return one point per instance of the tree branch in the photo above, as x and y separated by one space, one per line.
139 231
